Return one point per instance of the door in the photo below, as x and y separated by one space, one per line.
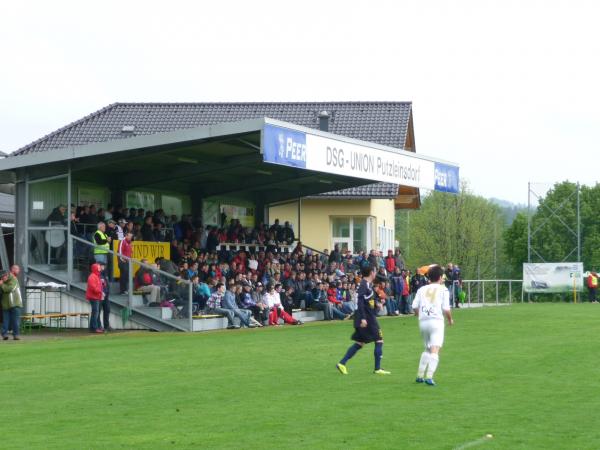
344 243
341 233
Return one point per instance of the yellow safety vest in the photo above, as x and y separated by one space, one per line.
593 281
101 249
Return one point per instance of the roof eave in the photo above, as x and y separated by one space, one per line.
351 197
133 143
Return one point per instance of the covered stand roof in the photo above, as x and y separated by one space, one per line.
384 123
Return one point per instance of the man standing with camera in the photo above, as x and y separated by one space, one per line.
11 302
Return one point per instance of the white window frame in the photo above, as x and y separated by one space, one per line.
350 240
385 238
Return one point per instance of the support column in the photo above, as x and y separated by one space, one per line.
69 240
299 218
196 207
3 253
21 239
261 211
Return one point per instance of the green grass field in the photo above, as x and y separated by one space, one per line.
527 374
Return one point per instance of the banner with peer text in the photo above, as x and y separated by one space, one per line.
302 150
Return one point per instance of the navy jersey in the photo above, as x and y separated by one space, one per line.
367 309
367 305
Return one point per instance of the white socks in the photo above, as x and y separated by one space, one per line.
433 363
429 363
423 364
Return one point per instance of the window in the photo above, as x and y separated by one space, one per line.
385 237
359 234
351 233
341 227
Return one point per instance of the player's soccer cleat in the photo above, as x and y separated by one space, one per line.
342 368
381 372
429 382
419 380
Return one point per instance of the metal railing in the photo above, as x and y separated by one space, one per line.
130 283
88 229
490 291
235 246
313 250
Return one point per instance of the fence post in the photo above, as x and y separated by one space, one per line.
191 319
522 292
483 290
130 285
509 291
469 293
496 292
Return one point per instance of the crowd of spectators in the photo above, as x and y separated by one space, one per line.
187 231
263 280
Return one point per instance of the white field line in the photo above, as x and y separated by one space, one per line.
474 443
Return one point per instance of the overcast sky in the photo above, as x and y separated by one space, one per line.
509 90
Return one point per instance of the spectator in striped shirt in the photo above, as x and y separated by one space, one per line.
214 305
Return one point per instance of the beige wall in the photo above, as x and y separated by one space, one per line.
316 223
315 227
285 212
384 213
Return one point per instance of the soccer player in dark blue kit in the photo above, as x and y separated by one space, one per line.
366 328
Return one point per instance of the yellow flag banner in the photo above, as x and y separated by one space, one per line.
141 250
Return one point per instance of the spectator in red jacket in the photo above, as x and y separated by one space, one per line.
390 262
336 303
592 283
144 282
125 249
95 294
332 295
240 260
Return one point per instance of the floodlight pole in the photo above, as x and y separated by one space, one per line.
407 233
529 222
578 225
528 239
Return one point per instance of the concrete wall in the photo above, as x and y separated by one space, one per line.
226 200
186 202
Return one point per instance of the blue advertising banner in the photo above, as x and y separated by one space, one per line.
284 146
446 178
322 153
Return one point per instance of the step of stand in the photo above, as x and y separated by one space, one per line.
158 312
309 316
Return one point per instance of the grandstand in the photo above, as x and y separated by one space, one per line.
204 163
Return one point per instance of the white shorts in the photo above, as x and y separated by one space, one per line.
432 332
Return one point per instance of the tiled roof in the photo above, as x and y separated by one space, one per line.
377 190
385 123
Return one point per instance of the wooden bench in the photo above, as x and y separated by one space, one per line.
28 320
207 316
82 316
215 316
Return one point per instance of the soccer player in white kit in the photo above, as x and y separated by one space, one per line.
431 305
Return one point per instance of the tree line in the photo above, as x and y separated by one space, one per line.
489 241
